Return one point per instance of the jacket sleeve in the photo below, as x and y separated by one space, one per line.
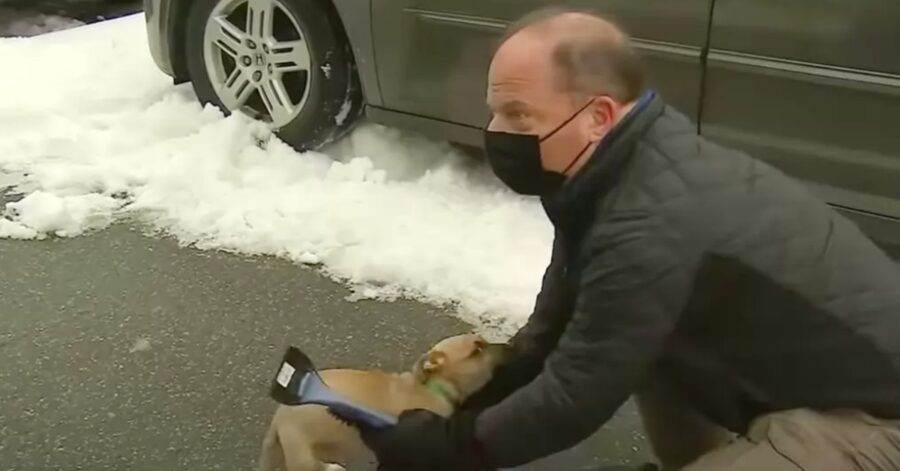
552 310
633 285
536 339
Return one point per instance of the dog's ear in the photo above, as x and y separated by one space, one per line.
428 364
434 361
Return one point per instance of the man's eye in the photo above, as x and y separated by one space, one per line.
519 120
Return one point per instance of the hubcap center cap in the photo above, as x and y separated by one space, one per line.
259 59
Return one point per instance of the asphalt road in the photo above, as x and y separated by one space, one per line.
126 352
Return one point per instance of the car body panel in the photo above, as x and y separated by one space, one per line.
357 20
809 87
433 55
434 128
854 34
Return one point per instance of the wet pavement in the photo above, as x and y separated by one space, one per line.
127 352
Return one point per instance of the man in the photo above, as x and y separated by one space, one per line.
718 291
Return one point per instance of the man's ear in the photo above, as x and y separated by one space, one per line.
427 364
603 116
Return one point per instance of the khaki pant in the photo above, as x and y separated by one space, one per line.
802 439
793 440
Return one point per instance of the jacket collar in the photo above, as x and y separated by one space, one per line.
571 206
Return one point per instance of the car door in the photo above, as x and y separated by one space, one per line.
433 55
813 87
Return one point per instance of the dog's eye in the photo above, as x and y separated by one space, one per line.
479 347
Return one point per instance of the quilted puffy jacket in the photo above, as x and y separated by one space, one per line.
677 254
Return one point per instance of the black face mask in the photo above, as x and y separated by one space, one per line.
516 160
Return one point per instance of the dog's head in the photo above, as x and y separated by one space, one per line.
464 362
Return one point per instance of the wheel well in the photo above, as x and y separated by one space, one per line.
178 31
180 10
338 25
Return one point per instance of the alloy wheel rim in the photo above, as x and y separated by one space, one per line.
258 59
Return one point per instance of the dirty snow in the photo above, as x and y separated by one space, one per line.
343 113
95 134
12 24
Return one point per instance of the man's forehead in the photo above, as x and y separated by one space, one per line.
509 88
517 72
523 57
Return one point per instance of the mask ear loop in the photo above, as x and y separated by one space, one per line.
576 159
564 123
580 154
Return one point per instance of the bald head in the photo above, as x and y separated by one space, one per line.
588 53
566 77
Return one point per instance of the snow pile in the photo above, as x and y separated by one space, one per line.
41 212
96 133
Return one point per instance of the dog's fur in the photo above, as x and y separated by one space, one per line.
308 438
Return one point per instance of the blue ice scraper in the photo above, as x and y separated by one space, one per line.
297 383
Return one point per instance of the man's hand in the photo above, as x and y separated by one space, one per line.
424 441
518 371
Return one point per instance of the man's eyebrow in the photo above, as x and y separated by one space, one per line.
514 105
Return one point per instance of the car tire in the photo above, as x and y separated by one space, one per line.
331 95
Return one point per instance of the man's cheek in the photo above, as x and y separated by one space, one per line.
525 126
499 124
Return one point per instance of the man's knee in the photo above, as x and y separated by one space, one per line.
678 433
804 439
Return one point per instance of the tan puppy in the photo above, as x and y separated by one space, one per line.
308 438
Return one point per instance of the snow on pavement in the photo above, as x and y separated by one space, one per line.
94 133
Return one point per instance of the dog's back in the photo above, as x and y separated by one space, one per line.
317 438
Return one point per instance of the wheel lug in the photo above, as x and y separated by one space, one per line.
270 68
246 61
251 44
266 48
257 76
